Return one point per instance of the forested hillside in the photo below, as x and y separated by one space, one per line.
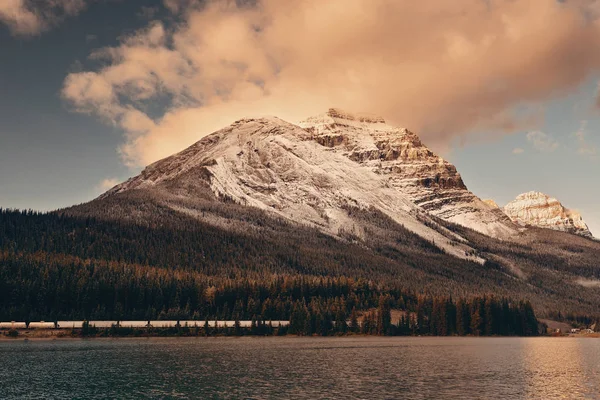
131 258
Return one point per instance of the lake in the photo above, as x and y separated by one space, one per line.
302 368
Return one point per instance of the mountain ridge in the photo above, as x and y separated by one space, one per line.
274 165
270 163
312 171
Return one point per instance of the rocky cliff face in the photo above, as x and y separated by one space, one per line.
400 159
281 168
540 210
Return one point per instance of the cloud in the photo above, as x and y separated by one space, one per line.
107 184
31 17
583 147
443 70
180 6
542 142
518 150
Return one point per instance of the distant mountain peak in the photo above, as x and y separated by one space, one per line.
534 195
491 203
543 211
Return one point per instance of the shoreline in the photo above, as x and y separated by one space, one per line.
63 334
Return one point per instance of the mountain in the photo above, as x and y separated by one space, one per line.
341 207
400 158
540 210
275 166
312 173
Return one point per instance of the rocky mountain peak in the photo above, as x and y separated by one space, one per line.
338 114
400 157
540 210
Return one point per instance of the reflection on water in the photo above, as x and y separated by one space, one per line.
305 368
560 368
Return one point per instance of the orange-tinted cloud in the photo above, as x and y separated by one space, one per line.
443 69
30 17
106 184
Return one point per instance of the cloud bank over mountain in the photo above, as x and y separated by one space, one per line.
443 70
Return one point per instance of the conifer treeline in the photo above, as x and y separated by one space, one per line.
53 287
437 316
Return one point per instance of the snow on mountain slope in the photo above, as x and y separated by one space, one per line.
541 210
399 158
277 166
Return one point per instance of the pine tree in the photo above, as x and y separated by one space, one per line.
476 318
206 327
489 317
384 316
354 326
366 324
462 319
450 317
340 318
420 315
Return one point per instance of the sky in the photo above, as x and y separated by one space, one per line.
91 91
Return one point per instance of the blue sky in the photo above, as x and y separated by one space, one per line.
52 157
566 170
63 142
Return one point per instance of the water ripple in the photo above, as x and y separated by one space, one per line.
302 368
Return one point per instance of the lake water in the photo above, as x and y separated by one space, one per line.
302 368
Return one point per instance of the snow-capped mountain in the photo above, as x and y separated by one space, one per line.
540 210
312 173
279 167
399 157
331 170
